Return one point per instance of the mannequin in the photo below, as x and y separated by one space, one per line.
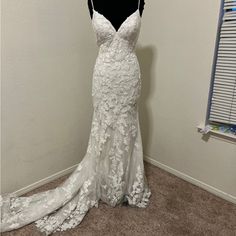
116 11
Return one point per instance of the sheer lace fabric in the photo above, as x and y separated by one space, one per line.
112 169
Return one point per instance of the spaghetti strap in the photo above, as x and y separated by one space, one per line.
138 4
92 4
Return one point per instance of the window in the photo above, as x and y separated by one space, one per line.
222 100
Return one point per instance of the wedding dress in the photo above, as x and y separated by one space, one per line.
112 169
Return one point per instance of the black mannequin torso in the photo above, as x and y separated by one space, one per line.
116 11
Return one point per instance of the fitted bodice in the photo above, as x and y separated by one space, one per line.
116 68
125 37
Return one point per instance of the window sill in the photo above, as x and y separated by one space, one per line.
207 129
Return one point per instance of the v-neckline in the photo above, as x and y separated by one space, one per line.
114 29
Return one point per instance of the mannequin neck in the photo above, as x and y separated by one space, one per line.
116 11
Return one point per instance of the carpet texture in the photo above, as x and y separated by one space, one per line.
176 208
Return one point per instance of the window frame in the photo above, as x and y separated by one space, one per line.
209 125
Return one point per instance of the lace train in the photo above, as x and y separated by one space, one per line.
112 180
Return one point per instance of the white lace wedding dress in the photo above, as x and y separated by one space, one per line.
112 169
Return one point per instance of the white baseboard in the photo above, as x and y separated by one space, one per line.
192 180
45 180
148 159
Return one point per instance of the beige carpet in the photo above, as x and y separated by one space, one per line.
176 208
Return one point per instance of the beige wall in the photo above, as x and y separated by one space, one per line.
47 61
176 53
48 55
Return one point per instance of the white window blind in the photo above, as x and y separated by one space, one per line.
223 97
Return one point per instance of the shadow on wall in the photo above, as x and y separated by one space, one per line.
146 56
